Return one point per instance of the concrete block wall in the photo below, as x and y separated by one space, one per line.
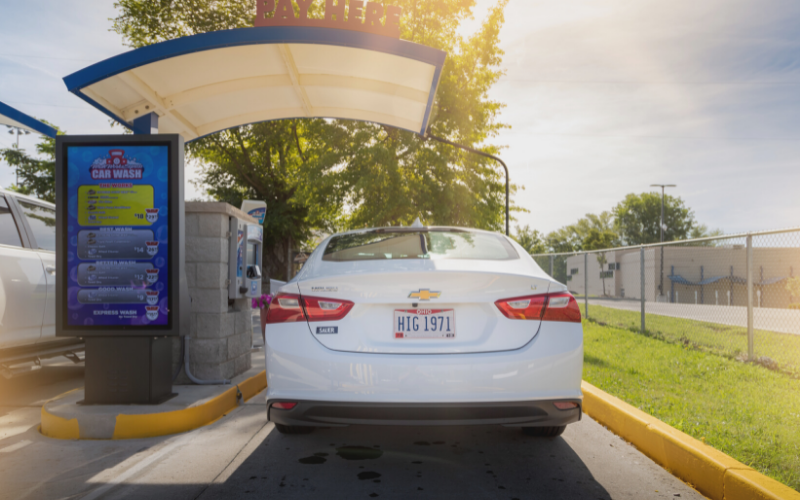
220 328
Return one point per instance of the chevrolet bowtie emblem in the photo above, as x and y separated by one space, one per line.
424 295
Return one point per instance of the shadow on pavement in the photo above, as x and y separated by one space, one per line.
420 462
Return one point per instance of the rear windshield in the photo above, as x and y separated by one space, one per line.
433 245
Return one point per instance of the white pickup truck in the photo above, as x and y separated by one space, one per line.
28 283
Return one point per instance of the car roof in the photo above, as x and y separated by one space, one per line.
412 229
26 197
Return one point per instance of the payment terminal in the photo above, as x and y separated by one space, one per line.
244 259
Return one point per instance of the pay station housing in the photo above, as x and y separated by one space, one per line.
245 269
182 90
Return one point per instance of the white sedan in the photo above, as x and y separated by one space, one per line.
423 326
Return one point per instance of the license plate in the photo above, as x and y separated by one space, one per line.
424 324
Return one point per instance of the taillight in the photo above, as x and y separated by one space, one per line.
319 309
290 308
285 308
523 307
283 405
562 307
553 307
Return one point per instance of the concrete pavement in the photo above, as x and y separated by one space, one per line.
242 456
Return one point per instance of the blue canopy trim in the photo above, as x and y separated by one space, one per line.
254 36
680 280
28 121
675 278
771 281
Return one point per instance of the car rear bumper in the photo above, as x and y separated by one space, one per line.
299 368
511 414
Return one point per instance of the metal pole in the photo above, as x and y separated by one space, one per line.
16 169
641 289
586 284
750 348
661 279
661 231
551 265
428 135
662 214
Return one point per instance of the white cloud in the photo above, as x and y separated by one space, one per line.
607 97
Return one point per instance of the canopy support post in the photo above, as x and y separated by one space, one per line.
428 135
146 125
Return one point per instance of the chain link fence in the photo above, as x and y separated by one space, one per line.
736 295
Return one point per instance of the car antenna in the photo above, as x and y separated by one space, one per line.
416 223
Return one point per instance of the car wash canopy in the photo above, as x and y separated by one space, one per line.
14 118
288 68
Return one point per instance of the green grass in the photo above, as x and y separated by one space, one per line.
730 341
743 410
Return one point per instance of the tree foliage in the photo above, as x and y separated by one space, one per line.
259 162
793 287
592 232
145 22
633 221
36 176
638 219
334 174
531 240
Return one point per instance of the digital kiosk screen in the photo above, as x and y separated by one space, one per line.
118 236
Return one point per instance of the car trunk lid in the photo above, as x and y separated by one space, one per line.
382 299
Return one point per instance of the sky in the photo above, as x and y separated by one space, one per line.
604 98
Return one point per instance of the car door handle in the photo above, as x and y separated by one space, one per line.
50 269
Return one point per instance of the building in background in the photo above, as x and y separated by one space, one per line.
711 275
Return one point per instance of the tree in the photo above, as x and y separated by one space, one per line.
258 162
531 240
334 174
36 177
702 231
592 232
637 219
372 175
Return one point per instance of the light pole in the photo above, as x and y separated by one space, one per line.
661 282
18 131
429 135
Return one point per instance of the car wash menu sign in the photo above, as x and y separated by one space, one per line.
117 235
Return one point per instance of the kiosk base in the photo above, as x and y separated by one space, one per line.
128 370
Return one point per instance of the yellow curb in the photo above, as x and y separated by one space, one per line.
751 485
162 424
253 385
58 427
174 422
711 472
